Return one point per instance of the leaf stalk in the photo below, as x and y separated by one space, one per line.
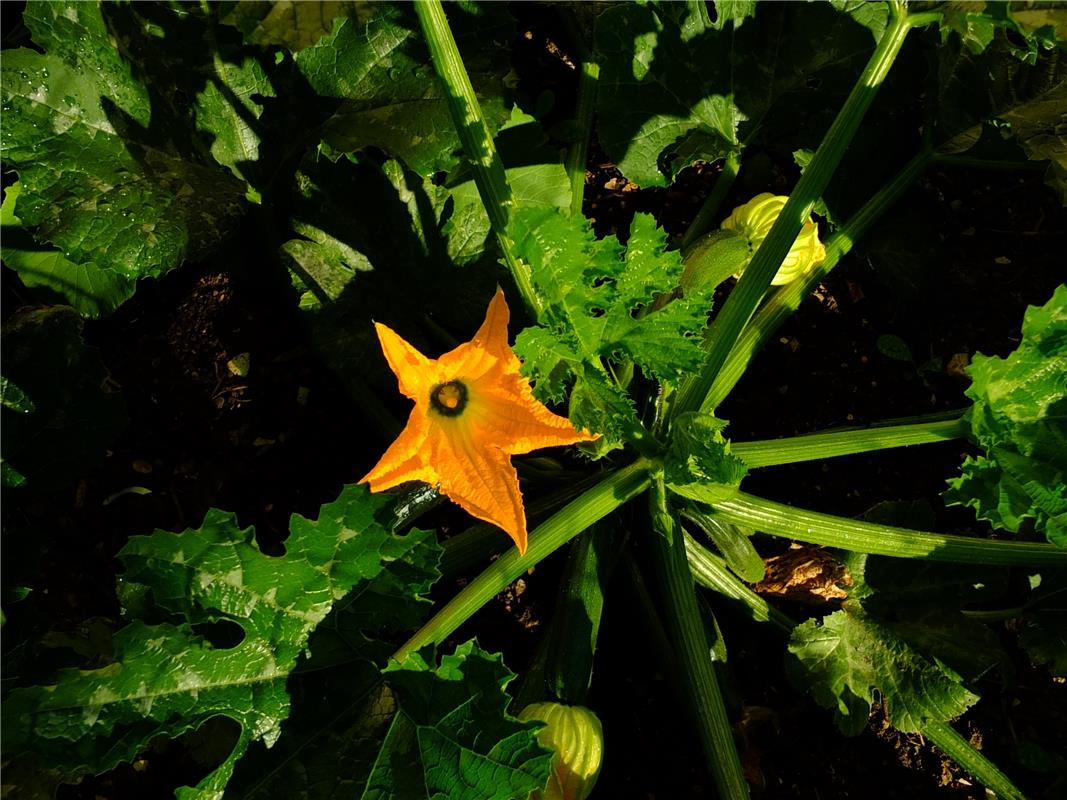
829 444
757 277
473 131
786 300
778 519
546 538
687 633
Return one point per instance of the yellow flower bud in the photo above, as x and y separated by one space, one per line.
754 219
577 737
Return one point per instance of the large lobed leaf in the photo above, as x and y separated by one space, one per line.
601 303
846 657
392 98
91 290
664 88
1019 418
1023 100
167 679
901 637
412 732
675 90
93 182
454 717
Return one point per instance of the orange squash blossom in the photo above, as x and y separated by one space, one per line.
473 411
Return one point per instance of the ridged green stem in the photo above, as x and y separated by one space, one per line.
814 527
588 77
546 538
786 300
711 572
828 444
756 278
981 768
690 643
480 542
489 175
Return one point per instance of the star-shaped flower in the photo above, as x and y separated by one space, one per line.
473 411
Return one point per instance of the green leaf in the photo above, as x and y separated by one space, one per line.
793 66
598 404
602 302
91 290
892 346
379 254
1024 100
58 414
873 16
922 602
1019 417
735 11
699 464
393 100
844 658
659 89
673 92
228 109
465 745
414 730
166 679
94 183
977 25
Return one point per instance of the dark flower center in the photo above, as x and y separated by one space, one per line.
449 399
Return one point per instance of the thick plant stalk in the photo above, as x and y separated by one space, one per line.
981 768
782 303
814 527
690 643
588 77
828 444
756 278
711 572
545 539
489 175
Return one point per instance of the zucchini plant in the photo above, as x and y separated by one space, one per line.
387 161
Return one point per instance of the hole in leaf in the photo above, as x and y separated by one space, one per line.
1015 38
596 311
603 280
223 634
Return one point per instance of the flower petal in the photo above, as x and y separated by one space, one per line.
414 372
504 411
405 460
479 478
487 350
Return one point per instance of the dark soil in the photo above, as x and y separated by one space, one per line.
282 437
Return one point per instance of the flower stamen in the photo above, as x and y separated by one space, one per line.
449 399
